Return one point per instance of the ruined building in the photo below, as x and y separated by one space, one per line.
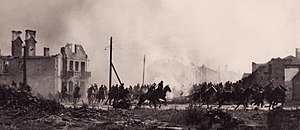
46 74
283 71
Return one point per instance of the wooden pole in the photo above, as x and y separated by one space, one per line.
116 73
144 69
110 63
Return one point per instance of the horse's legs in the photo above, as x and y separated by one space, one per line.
221 101
207 104
150 102
154 104
165 100
237 106
159 103
262 104
106 101
245 104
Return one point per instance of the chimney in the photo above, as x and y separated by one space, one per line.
46 51
30 42
29 34
15 35
62 51
298 53
75 48
16 44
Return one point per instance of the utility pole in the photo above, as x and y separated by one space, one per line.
24 66
144 69
219 74
110 63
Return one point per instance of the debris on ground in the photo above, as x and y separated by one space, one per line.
122 104
21 110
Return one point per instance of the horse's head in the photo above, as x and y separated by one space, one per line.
167 89
211 89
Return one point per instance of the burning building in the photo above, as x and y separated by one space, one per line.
46 74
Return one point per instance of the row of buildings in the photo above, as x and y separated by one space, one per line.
46 74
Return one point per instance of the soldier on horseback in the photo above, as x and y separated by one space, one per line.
64 93
76 94
160 88
100 96
90 93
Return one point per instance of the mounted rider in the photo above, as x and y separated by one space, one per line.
160 87
151 90
90 92
76 93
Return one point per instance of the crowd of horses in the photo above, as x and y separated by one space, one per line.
238 93
154 93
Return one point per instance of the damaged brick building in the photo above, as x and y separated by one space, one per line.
46 74
283 71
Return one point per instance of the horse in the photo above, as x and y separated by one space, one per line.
195 97
197 93
258 98
244 97
159 94
76 95
276 96
122 100
91 95
100 95
116 95
226 96
112 95
207 95
153 96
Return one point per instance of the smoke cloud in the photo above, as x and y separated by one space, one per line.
214 33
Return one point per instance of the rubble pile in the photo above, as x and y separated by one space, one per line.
122 104
22 101
207 119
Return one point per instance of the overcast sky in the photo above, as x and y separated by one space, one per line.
210 32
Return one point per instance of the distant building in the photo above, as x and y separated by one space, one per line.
46 74
204 74
282 71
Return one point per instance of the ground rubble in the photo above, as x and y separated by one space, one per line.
21 110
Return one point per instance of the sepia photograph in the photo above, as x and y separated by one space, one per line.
150 64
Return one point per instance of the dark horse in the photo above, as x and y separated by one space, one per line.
276 96
244 97
116 95
258 98
112 95
154 96
204 97
237 97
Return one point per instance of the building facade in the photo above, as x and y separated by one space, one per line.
46 74
282 71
